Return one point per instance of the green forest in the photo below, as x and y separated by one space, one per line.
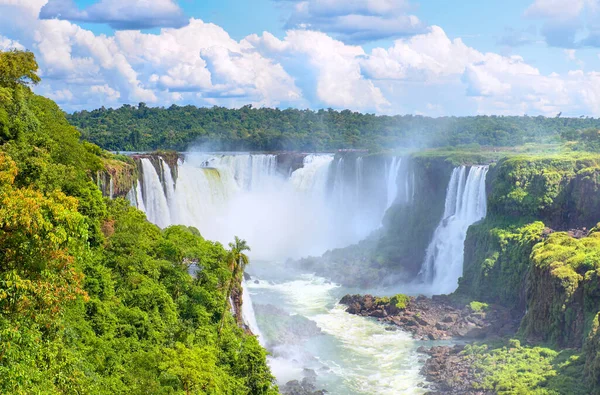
94 299
142 128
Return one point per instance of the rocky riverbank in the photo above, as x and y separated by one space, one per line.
437 318
450 372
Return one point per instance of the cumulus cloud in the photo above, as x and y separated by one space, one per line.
427 73
493 83
566 22
119 14
356 21
327 68
6 44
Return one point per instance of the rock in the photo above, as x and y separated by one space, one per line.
304 387
450 317
435 318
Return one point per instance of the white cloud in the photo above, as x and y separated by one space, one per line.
330 69
566 22
61 96
119 14
356 20
106 91
559 9
200 63
6 44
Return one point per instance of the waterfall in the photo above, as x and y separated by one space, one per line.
132 195
320 206
155 201
169 188
139 199
248 313
392 180
359 177
111 188
465 204
338 182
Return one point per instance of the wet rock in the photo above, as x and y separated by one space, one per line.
435 318
304 387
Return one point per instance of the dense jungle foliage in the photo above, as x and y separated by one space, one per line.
142 128
94 299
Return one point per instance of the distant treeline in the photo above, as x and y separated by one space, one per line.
144 128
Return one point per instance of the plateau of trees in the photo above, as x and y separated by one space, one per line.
94 299
143 128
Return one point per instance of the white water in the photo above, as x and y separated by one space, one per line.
320 206
155 201
465 204
248 313
327 203
353 355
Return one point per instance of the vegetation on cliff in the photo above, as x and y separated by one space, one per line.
95 299
549 274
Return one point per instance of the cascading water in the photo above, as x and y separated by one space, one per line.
392 180
465 204
328 202
322 205
248 313
155 201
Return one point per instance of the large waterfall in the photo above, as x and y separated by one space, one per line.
329 202
465 204
319 202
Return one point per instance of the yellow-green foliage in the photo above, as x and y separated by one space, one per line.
497 260
94 299
400 301
478 306
592 354
562 288
556 188
515 369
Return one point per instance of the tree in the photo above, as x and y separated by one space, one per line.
18 68
237 262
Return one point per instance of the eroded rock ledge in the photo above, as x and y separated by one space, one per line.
450 372
436 318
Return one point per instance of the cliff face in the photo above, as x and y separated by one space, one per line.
407 230
516 258
171 158
497 262
561 191
117 178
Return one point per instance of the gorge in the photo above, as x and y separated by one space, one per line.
291 205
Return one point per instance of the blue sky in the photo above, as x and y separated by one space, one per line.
429 57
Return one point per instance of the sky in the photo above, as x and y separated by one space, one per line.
422 57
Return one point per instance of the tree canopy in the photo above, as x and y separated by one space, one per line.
94 299
142 128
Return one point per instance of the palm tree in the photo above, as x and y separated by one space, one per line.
237 262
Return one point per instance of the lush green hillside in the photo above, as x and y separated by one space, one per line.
526 255
143 128
94 299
